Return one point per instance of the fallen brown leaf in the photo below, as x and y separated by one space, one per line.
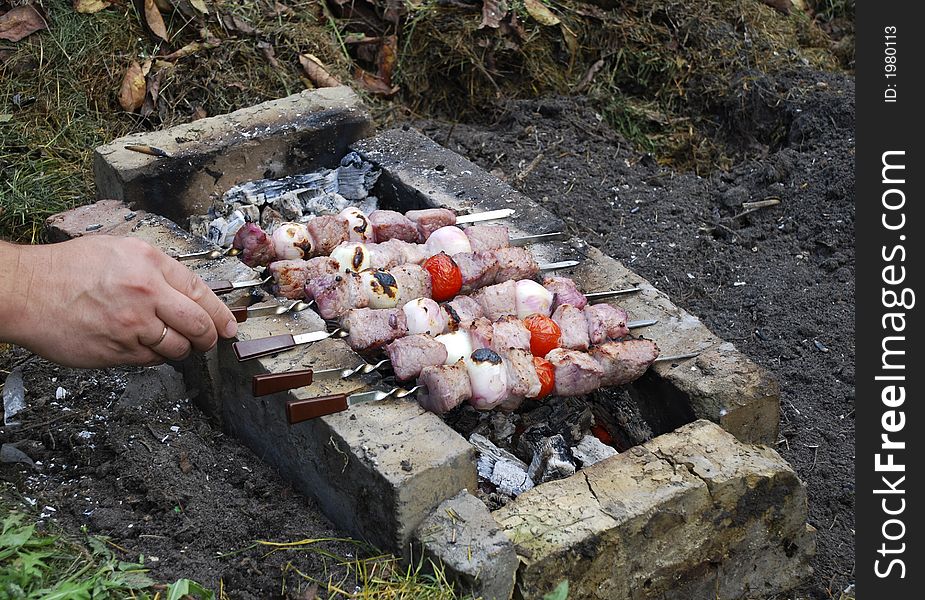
193 48
132 92
236 25
200 5
540 13
492 13
374 84
316 71
88 7
269 52
185 465
20 22
155 20
388 58
199 113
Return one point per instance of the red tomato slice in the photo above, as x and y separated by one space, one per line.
445 278
544 334
547 374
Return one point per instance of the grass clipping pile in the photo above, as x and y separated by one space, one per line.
652 68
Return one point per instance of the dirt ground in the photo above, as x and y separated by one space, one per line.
144 467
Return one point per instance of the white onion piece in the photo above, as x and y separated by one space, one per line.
351 257
424 315
380 288
292 241
533 298
359 229
488 379
458 345
449 239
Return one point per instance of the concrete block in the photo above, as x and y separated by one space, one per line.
299 133
462 536
693 514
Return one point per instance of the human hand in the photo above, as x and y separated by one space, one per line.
99 301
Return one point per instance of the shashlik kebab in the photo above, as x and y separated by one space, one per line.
409 355
321 235
558 298
488 379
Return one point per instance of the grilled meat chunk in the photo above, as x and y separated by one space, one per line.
574 327
336 294
576 372
430 220
410 354
290 276
522 379
566 292
477 269
605 322
626 361
413 282
515 263
499 300
444 387
484 238
391 225
327 232
255 245
370 328
509 332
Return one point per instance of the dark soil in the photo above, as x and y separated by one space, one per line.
778 282
126 455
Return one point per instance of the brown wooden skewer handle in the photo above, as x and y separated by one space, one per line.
270 383
248 349
220 287
312 408
240 313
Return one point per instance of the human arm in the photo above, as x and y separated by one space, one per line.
100 301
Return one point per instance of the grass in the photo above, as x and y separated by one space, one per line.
47 565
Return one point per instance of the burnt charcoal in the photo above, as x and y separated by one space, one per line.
290 207
553 460
501 468
356 177
502 427
618 413
570 417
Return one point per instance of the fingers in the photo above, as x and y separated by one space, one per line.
170 345
191 285
186 318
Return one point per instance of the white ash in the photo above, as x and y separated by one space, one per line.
507 472
251 213
591 450
222 230
270 220
356 177
14 397
329 203
266 191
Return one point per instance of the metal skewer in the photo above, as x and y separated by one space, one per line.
224 286
209 254
243 313
487 215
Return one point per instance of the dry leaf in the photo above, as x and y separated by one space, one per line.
164 6
316 71
132 92
235 25
20 22
199 113
540 13
192 48
269 52
88 7
374 84
492 13
200 5
152 92
388 58
154 20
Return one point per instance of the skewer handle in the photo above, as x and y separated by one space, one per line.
248 349
270 383
220 287
312 408
239 312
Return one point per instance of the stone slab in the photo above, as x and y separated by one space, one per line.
299 133
463 537
693 514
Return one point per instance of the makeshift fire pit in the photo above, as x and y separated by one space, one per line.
690 507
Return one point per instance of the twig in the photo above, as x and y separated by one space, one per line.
519 178
754 206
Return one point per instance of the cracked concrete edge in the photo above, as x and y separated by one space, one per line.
204 158
752 500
